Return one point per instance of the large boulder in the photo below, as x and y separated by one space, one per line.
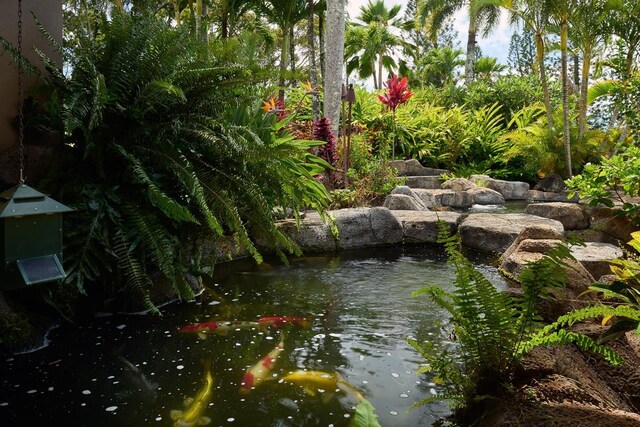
313 235
486 196
458 184
363 227
510 190
571 215
402 202
495 232
552 183
428 182
610 222
422 227
454 199
547 196
427 197
595 257
413 167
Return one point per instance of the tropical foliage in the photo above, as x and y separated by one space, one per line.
191 153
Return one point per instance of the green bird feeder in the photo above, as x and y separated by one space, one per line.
30 238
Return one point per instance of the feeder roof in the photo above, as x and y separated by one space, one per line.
23 200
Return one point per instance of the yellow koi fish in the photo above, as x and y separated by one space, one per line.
313 381
258 372
192 416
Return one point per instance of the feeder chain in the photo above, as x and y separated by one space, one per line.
20 95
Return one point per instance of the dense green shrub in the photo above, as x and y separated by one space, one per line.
159 143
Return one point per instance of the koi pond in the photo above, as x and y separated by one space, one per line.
346 319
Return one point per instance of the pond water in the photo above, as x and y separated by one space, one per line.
133 370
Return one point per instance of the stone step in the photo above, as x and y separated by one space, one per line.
425 182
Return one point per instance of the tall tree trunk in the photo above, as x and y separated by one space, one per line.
224 25
584 87
543 78
471 51
564 29
198 18
292 54
334 61
176 11
313 70
283 61
576 72
321 33
379 71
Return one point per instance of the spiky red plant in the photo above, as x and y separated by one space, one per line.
322 132
397 93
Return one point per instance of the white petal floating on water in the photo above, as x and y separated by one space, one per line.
320 336
50 389
347 415
180 367
111 408
394 375
230 420
4 404
158 418
365 382
269 337
32 391
403 395
433 391
86 391
214 303
393 412
110 377
121 326
335 335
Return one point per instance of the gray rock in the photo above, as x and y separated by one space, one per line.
427 197
595 257
356 227
454 199
427 182
510 190
458 184
534 232
403 203
495 232
312 236
485 196
546 196
552 183
571 215
385 226
421 227
609 222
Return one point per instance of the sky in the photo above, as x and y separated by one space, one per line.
496 45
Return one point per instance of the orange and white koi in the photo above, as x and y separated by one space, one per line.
279 322
219 327
258 372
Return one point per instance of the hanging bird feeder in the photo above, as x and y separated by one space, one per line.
31 238
30 222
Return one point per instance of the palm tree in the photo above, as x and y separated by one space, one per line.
535 16
334 60
486 67
285 14
560 14
589 30
483 16
370 44
313 68
438 66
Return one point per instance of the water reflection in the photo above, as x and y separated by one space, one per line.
360 309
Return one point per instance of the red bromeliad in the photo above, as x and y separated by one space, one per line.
397 93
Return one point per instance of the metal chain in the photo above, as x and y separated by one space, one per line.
20 94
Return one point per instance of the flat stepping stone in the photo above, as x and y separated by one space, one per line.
427 182
496 232
595 257
571 215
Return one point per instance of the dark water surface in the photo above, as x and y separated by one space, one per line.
361 308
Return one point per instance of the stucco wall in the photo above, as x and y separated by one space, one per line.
49 12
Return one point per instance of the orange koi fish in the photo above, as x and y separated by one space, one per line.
258 372
219 328
279 322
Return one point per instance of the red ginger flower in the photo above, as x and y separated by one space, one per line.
397 93
322 132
